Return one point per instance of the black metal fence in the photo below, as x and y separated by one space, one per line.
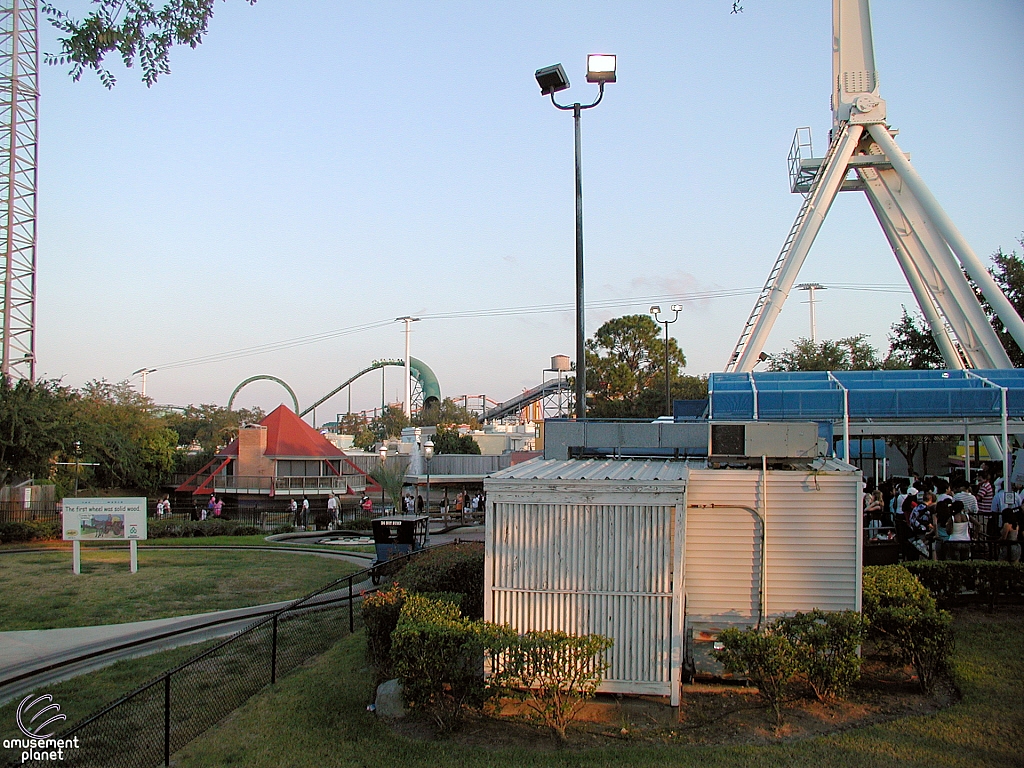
33 512
145 727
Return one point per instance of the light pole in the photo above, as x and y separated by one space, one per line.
600 70
811 288
428 454
408 387
144 372
656 310
383 465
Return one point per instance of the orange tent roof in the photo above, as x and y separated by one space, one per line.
290 436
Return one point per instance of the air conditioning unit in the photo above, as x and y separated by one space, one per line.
775 439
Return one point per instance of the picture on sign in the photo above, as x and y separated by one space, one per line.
104 519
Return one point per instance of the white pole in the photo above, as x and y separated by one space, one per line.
76 557
408 371
134 547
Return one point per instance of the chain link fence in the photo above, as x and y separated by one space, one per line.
144 728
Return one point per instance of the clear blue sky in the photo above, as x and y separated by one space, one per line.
317 165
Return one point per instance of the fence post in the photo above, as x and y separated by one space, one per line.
273 654
167 720
351 616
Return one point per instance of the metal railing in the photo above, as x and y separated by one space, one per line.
41 512
144 728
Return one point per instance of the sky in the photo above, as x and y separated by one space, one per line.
316 169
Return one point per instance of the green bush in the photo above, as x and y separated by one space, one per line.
904 622
457 568
439 658
826 646
380 616
553 672
971 580
893 586
767 658
30 530
920 638
175 529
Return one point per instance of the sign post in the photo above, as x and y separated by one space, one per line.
116 519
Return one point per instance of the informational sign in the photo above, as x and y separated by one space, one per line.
112 519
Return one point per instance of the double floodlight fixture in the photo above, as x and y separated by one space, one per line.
600 69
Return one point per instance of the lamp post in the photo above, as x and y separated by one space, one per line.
600 70
656 310
428 454
144 372
383 463
408 387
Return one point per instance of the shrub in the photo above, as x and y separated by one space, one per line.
974 580
886 586
173 529
553 672
903 621
826 646
766 657
380 616
458 568
920 638
439 657
29 530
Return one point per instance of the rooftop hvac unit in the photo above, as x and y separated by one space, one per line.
789 440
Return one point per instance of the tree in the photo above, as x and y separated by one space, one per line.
212 426
448 440
911 344
446 412
850 354
37 424
1008 272
389 424
135 29
626 369
118 430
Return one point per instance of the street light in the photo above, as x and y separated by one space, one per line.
383 463
144 372
656 310
428 454
600 70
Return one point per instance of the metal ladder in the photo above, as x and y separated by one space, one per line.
769 284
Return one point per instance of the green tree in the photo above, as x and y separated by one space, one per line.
850 354
446 412
626 369
37 425
911 344
136 30
389 424
212 426
1008 272
118 429
448 440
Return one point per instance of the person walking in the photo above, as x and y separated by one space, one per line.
305 512
293 507
332 511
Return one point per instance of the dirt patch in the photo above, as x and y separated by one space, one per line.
710 714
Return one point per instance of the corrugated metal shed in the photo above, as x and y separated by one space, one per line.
620 546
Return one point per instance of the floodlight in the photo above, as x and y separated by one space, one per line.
552 79
601 68
655 310
677 307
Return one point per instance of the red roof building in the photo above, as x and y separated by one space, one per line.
280 456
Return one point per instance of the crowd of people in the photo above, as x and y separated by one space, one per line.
946 519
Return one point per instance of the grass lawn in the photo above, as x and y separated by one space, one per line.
317 717
83 695
41 592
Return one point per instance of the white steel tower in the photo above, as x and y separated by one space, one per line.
19 102
863 156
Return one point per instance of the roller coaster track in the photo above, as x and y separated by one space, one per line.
420 371
517 403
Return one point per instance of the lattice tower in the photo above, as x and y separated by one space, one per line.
19 120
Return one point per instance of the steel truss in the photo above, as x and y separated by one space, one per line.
930 250
19 113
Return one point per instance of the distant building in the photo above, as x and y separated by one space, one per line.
281 456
